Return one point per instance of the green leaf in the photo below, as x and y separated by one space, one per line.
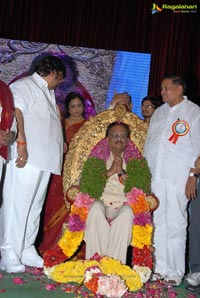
139 175
94 176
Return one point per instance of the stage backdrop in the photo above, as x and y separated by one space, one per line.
96 73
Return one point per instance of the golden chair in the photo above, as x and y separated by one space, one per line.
87 137
143 204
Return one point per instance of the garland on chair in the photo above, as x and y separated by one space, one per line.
94 173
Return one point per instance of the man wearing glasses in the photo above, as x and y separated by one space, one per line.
109 223
149 105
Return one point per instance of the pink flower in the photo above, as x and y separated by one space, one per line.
83 200
136 295
142 219
18 281
38 271
111 286
96 257
153 292
131 151
1 276
34 270
90 272
133 195
75 223
51 287
69 288
172 294
101 150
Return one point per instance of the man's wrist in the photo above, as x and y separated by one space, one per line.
193 174
122 173
21 143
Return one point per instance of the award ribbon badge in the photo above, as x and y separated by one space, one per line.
179 128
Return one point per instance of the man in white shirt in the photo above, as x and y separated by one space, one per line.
37 153
171 148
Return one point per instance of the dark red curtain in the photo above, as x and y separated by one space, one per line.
171 38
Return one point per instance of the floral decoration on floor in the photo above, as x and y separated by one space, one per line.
156 289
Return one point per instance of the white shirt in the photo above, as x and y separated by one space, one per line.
41 123
167 160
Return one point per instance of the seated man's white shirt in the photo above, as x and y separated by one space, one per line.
113 194
109 223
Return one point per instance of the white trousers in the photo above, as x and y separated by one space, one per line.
170 220
23 197
108 239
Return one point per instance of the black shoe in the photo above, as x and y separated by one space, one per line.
195 289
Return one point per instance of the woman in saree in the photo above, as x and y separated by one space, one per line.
56 213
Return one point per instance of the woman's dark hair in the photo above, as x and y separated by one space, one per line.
156 101
48 64
118 123
69 98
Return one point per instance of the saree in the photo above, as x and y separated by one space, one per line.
56 213
6 113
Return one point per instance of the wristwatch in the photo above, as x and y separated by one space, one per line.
122 173
193 175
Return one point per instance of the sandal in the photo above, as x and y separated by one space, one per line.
174 281
156 276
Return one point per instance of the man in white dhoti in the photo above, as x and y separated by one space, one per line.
37 152
171 148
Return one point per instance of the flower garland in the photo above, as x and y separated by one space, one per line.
73 271
73 234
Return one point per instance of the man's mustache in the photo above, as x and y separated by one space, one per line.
119 142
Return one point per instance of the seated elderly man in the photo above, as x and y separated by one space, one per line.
109 223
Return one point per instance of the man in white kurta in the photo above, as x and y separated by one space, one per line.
109 223
37 153
171 148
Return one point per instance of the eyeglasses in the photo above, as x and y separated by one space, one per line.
148 107
118 135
